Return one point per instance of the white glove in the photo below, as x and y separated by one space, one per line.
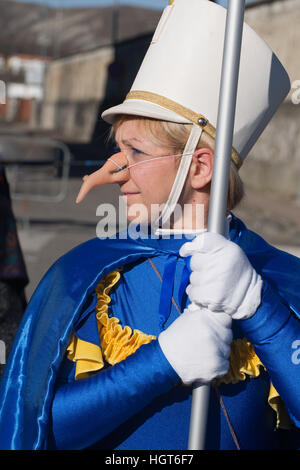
197 344
223 280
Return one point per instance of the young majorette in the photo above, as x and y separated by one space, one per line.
119 329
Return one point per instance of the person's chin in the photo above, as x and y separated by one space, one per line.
137 212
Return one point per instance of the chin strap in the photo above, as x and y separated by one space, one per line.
182 172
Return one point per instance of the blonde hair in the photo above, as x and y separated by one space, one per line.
174 136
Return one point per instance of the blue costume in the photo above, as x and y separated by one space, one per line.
138 401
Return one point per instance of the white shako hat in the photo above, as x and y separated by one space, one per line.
179 81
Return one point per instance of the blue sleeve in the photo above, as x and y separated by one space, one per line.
85 411
275 332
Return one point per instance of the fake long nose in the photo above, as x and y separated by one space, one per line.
112 171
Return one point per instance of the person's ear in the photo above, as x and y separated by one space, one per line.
201 168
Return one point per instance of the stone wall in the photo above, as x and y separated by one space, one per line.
277 23
73 88
78 88
274 162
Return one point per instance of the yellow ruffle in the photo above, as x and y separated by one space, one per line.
243 361
275 401
88 357
119 342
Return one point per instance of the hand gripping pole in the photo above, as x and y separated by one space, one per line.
220 181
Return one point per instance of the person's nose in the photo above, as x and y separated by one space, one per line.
113 171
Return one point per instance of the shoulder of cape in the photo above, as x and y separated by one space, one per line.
75 275
48 320
86 260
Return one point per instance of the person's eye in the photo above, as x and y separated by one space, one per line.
136 151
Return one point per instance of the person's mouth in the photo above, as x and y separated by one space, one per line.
130 193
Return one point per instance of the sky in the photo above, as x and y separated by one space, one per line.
156 4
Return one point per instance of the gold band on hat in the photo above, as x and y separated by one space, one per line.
196 118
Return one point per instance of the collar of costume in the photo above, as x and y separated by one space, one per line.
27 385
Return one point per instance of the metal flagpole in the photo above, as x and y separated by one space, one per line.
220 180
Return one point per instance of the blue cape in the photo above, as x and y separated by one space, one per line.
26 389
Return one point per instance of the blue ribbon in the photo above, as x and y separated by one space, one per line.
182 296
168 288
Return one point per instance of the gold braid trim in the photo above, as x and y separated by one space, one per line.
177 108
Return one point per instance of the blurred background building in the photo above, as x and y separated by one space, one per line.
63 66
60 67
